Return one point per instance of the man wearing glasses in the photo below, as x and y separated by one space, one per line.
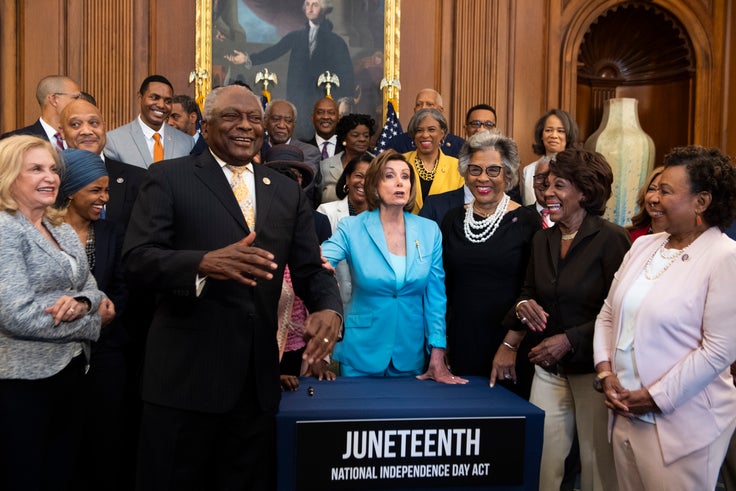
479 117
540 186
53 93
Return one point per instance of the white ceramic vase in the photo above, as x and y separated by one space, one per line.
629 150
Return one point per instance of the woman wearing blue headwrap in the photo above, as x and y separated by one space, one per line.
84 194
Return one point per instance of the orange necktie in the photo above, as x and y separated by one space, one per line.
158 149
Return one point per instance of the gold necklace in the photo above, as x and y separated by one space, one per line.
424 174
569 236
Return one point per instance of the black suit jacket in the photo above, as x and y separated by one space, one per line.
199 147
108 273
572 290
437 205
200 349
36 129
125 180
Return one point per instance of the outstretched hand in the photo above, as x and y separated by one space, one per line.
239 261
321 331
438 370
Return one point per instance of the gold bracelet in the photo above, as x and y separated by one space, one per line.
516 309
511 347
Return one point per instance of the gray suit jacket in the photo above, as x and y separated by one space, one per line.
34 275
128 144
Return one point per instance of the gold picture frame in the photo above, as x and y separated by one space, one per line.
390 87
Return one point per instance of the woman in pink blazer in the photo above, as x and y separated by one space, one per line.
664 339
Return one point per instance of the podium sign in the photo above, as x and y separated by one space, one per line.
410 453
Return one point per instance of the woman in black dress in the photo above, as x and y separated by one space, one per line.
486 247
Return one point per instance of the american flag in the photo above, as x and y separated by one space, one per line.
390 129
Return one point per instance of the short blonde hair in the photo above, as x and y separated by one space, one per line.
374 175
12 154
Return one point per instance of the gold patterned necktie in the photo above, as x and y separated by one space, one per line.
242 194
158 149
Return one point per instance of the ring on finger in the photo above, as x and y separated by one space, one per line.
507 376
71 310
326 340
524 320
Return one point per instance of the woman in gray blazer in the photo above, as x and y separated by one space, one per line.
50 310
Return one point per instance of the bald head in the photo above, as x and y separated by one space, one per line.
324 117
83 126
53 93
428 98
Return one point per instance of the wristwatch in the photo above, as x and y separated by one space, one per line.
598 380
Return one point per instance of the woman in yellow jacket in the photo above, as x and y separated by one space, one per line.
437 172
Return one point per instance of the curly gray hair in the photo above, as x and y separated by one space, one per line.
492 140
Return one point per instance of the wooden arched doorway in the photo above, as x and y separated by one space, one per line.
641 51
700 28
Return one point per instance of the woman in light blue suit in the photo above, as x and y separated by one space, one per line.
396 315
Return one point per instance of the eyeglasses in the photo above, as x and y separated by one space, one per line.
541 178
491 170
477 124
278 119
73 96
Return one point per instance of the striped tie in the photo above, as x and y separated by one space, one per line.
545 216
242 194
59 142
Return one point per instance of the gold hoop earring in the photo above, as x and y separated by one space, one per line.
345 188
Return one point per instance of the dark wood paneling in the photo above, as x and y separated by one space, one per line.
663 114
173 21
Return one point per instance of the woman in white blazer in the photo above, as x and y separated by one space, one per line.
664 339
351 193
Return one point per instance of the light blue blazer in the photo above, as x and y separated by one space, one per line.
384 323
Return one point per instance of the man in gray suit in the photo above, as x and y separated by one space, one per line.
135 143
280 121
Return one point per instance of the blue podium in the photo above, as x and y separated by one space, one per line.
402 433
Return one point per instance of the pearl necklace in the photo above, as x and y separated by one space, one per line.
486 227
670 256
424 174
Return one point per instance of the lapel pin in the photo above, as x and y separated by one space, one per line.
120 180
685 257
266 181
